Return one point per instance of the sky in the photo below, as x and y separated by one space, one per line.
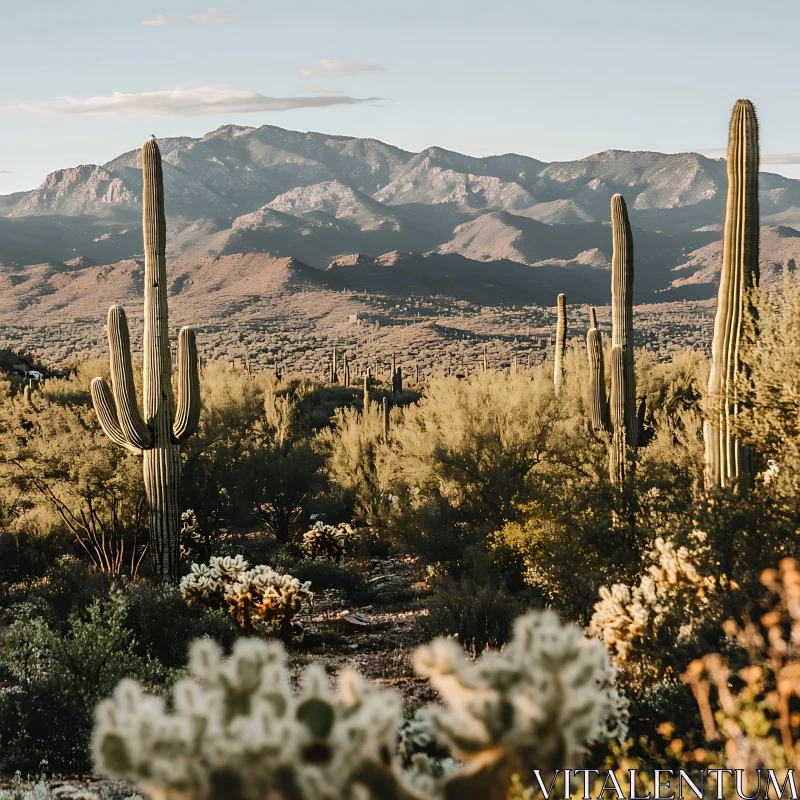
85 81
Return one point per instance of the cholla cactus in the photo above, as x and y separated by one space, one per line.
538 704
237 731
246 593
630 618
326 540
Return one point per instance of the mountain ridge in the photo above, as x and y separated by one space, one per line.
317 197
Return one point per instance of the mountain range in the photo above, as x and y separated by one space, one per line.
369 215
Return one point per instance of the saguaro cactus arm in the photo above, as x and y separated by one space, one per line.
130 419
597 380
187 414
106 410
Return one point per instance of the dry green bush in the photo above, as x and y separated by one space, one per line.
59 473
770 389
464 458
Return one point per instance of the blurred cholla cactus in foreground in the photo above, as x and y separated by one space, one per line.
538 704
237 731
629 619
326 540
247 594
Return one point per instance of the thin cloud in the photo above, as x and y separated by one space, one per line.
186 102
5 172
321 88
159 21
781 158
338 66
211 16
768 158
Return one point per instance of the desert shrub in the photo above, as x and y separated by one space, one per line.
769 410
324 575
56 679
69 586
353 446
464 459
253 459
163 626
479 614
56 461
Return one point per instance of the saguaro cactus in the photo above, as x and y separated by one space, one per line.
561 342
622 315
726 457
618 451
155 435
334 375
597 377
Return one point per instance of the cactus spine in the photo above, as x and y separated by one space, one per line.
622 315
154 436
597 376
561 342
726 457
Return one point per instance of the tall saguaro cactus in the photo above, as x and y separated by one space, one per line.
156 434
622 315
726 457
561 342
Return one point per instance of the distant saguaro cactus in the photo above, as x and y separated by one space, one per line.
385 410
598 400
485 360
726 457
334 375
346 371
397 376
366 393
561 342
622 315
155 435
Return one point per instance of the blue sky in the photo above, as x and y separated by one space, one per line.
555 80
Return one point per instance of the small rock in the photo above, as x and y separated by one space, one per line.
358 620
